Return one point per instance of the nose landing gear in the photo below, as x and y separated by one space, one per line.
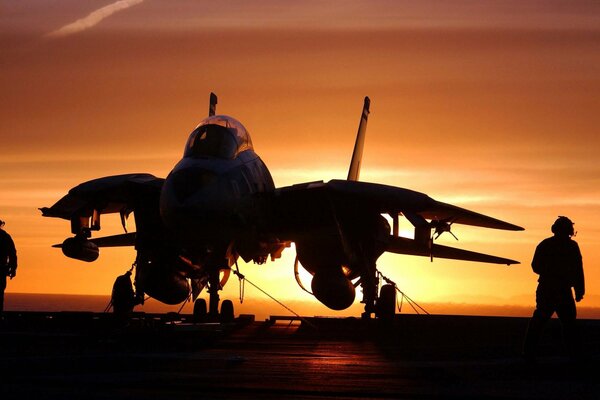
212 314
201 314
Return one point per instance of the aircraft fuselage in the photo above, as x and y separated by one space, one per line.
200 202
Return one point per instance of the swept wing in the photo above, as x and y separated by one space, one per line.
85 203
300 210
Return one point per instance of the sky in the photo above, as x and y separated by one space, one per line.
491 106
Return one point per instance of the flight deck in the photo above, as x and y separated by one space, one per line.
160 356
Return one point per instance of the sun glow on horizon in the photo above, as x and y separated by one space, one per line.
492 108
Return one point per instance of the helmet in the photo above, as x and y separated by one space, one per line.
563 226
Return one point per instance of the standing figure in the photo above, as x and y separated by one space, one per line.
557 260
8 261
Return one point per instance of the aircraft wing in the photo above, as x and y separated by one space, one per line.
111 194
390 199
106 195
376 198
300 211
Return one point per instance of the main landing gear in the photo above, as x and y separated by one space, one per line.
384 305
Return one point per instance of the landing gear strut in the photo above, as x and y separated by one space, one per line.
201 314
369 287
213 290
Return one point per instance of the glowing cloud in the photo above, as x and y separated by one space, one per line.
93 18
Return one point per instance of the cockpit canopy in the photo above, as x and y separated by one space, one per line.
218 136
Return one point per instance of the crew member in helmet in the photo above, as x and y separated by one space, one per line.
557 260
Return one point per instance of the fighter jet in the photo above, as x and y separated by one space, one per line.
219 203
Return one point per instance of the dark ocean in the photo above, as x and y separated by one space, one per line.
74 302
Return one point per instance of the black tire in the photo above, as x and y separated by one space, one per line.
199 310
227 311
386 303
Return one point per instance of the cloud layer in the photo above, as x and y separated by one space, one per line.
93 18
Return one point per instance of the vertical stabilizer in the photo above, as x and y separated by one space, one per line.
212 108
354 171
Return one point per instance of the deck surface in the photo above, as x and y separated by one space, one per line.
84 356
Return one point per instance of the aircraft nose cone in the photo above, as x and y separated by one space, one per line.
190 198
188 182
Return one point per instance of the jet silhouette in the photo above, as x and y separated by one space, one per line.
219 203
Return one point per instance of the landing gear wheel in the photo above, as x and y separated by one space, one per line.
200 310
227 311
386 303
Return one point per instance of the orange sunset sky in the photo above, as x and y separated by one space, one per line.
493 106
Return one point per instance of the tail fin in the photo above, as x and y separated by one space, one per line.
212 108
354 171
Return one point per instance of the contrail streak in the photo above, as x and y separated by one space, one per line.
93 18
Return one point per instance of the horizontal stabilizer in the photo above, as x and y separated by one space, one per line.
401 245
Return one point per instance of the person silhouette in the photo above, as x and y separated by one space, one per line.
8 261
557 261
